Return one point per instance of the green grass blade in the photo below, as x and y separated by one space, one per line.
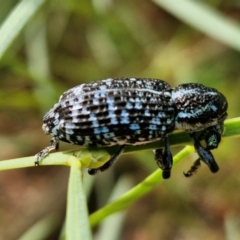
116 221
135 193
42 229
77 224
15 22
205 19
232 129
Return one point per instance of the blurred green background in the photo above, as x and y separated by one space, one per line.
69 42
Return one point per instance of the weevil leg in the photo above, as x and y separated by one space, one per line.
159 157
109 163
164 159
54 145
193 168
213 136
204 153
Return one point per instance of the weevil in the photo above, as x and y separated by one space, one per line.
134 111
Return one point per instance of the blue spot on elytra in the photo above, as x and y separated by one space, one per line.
95 124
124 120
84 110
110 100
105 129
111 106
156 121
147 113
97 131
109 135
96 94
134 126
69 131
95 101
111 114
152 127
114 121
124 113
138 105
129 105
103 87
92 116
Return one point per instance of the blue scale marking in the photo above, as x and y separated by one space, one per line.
96 94
56 121
61 135
138 105
134 126
69 125
85 111
147 113
110 99
124 120
54 130
103 94
95 85
108 81
74 113
114 121
161 115
139 82
95 124
153 127
124 113
95 101
92 117
109 135
184 115
111 106
169 120
156 121
129 105
102 87
101 130
214 108
111 114
105 129
97 131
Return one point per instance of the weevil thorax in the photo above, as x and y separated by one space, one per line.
198 107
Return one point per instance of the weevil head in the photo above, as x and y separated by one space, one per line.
198 107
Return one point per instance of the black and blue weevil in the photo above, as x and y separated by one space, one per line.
133 111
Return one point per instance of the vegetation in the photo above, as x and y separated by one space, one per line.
46 47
